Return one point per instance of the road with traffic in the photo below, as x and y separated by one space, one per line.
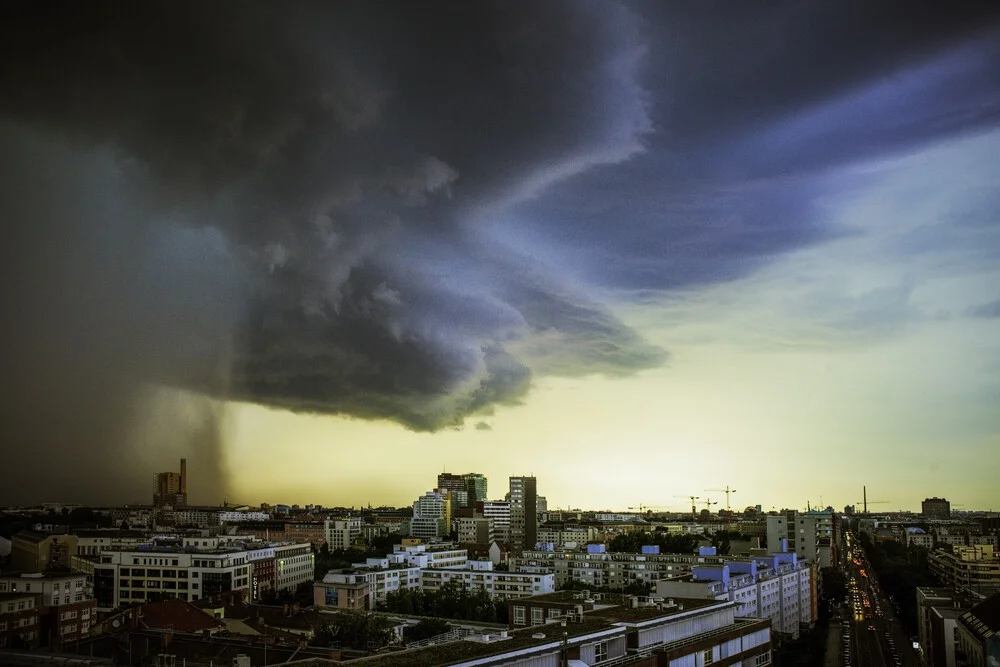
872 634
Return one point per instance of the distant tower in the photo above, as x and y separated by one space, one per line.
184 477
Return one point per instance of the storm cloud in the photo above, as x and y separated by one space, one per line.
279 207
409 211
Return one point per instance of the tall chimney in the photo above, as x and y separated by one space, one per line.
184 476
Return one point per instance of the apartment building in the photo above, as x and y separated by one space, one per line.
777 588
972 569
812 535
67 611
502 585
19 621
363 586
566 536
313 532
342 533
603 569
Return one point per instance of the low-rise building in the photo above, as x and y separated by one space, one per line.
558 629
19 621
67 611
364 586
199 567
502 585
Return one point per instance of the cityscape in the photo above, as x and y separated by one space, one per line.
500 333
468 575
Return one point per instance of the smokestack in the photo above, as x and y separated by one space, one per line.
864 491
184 476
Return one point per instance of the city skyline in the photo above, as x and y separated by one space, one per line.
636 250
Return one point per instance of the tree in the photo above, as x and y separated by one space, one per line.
425 629
360 631
834 584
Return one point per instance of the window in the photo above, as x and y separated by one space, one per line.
762 659
537 615
707 657
519 616
600 652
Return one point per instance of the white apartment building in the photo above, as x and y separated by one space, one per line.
503 585
613 570
422 556
294 564
779 588
381 581
498 511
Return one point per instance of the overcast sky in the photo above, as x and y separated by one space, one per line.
637 249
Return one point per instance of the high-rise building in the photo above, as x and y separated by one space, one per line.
450 482
523 497
498 513
475 486
935 508
431 515
170 488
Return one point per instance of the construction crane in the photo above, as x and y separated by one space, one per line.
708 504
694 506
726 491
865 503
647 508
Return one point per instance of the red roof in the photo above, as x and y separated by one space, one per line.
176 615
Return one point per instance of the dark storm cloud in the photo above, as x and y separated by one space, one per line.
752 105
273 204
326 207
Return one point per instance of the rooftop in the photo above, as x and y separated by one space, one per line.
42 576
456 652
177 615
983 620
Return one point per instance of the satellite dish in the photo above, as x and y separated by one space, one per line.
115 623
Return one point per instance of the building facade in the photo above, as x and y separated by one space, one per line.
19 621
935 508
523 498
67 611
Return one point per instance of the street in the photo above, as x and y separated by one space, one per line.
873 635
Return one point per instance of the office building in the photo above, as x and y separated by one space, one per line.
935 508
195 568
969 569
523 498
170 488
476 487
33 551
431 516
498 512
474 530
342 533
938 611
